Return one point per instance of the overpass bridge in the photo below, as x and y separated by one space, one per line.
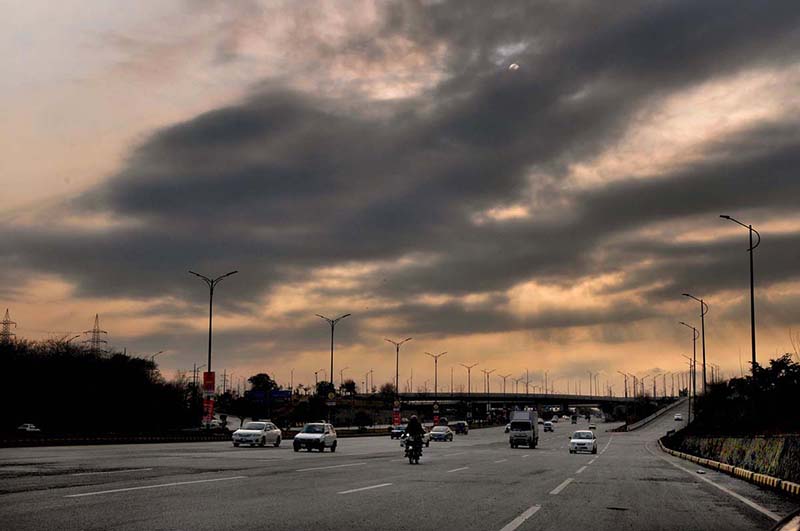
478 404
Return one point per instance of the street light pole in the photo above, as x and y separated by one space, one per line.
397 363
469 377
212 283
695 335
703 312
752 285
626 382
504 376
332 322
341 376
436 371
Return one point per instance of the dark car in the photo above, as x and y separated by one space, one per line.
397 431
460 426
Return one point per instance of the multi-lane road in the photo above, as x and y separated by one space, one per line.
476 482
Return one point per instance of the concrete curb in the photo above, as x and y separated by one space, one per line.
748 475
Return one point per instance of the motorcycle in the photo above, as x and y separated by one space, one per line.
413 448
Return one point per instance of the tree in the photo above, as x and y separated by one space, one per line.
349 387
323 388
262 382
388 390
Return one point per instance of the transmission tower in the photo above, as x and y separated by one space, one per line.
6 334
95 339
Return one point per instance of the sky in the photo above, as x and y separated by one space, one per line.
385 159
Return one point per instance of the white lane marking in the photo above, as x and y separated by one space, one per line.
161 485
397 460
746 501
457 469
581 469
451 455
111 472
607 444
501 461
593 460
364 488
327 467
518 521
526 455
562 486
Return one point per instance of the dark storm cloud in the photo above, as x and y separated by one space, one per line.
284 183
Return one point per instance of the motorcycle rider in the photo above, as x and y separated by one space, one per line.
415 432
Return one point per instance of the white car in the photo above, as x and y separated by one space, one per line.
678 416
315 436
548 425
257 433
583 441
554 419
29 428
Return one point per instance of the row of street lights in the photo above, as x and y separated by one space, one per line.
212 282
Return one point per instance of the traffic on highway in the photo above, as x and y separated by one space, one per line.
475 481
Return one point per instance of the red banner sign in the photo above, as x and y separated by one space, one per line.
208 409
208 383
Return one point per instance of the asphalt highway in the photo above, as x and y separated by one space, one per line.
473 483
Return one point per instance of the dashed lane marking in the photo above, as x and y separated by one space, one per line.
519 520
607 445
327 467
562 486
111 472
161 485
581 469
458 469
364 488
501 461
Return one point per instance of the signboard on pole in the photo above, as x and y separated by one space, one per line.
208 384
208 409
435 414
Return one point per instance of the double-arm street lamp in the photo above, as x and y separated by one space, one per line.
626 382
332 322
703 312
752 287
212 283
504 377
436 371
397 362
469 377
